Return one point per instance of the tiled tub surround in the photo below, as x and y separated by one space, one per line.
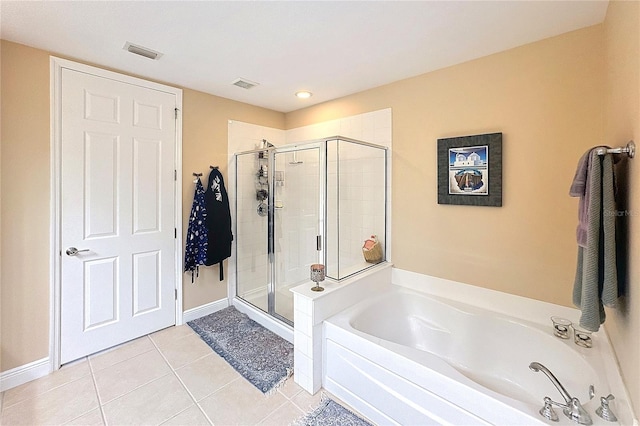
432 351
312 308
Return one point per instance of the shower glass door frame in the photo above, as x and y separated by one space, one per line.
329 207
320 194
272 227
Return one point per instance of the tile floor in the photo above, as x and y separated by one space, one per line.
170 377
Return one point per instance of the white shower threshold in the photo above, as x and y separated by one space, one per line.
281 329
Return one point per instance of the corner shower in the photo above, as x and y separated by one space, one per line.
303 204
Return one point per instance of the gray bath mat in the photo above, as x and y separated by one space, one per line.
330 413
259 355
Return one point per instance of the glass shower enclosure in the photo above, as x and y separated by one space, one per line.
305 203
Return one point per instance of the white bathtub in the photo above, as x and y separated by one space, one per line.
406 357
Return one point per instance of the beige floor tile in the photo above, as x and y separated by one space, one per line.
120 353
151 404
192 416
290 388
66 374
92 418
56 406
185 350
240 403
284 415
169 335
307 402
206 375
128 375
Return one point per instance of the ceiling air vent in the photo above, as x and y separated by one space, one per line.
244 83
142 51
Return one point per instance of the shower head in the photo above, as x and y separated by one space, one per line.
295 158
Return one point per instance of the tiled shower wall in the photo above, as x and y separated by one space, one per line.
296 216
250 229
355 204
360 193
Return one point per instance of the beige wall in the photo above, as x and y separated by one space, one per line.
545 98
204 144
24 140
25 180
621 123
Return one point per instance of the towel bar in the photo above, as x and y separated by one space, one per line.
630 150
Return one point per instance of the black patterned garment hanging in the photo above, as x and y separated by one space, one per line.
218 221
195 253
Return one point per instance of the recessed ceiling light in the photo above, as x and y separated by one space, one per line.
303 94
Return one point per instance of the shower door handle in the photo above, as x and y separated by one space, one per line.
270 232
318 242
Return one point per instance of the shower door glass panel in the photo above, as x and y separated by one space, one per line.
356 204
252 261
296 222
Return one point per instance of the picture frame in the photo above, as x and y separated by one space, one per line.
470 170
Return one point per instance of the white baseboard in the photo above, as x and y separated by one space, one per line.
40 368
201 311
25 373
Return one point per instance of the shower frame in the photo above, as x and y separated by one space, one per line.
322 146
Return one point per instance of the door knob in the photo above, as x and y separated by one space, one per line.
72 251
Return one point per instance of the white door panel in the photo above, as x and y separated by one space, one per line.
118 201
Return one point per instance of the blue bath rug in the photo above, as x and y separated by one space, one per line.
330 413
259 355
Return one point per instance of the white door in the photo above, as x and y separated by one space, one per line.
118 210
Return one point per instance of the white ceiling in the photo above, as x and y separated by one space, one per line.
332 48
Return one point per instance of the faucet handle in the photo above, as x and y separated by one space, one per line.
592 392
547 411
604 411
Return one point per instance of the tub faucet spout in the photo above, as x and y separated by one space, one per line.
572 407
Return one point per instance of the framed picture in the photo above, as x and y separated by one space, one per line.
470 170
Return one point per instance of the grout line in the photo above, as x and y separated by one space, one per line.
204 414
292 396
167 361
136 388
188 408
182 383
122 361
274 410
95 387
220 388
143 384
40 393
113 349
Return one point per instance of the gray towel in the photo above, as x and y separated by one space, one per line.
580 188
596 282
